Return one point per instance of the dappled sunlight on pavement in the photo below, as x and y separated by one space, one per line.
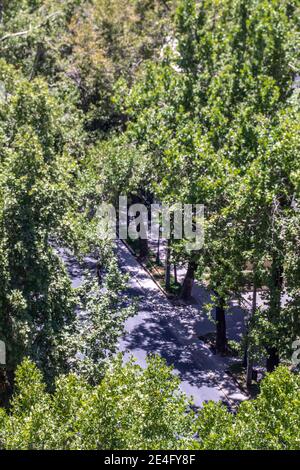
172 332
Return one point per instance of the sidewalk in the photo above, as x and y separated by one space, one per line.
235 318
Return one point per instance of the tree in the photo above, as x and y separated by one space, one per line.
84 45
104 312
268 422
266 222
37 302
197 115
130 408
134 408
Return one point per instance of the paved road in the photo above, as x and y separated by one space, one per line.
170 331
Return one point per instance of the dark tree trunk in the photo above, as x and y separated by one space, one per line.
157 260
167 267
6 386
175 273
187 286
38 60
142 243
245 357
249 371
272 360
221 339
275 308
249 361
99 273
144 248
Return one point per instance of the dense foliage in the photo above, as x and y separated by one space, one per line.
160 100
217 122
44 206
134 408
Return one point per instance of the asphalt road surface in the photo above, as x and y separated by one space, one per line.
171 332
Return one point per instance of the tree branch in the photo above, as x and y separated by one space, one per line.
24 33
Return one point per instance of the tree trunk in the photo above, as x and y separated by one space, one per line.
272 360
249 362
187 286
249 372
144 249
168 267
157 260
275 307
99 273
175 273
6 387
245 357
221 339
39 55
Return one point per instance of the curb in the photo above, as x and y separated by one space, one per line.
147 270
